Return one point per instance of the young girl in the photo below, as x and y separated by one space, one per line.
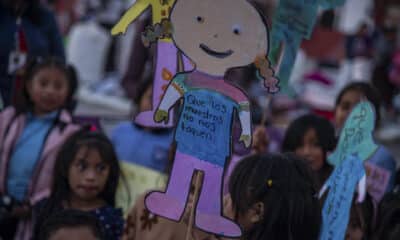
30 136
86 176
346 100
311 137
273 197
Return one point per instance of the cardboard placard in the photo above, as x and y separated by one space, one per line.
215 40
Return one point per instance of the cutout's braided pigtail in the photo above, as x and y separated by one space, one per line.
266 74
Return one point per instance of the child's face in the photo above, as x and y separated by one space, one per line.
344 107
311 151
48 90
88 174
76 233
219 34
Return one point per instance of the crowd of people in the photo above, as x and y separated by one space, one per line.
64 178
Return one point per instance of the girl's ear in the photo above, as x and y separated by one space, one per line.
257 212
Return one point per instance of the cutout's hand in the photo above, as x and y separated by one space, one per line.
246 139
119 28
161 115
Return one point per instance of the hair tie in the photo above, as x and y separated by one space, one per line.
269 182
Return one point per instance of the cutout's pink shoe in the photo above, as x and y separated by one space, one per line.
217 224
165 206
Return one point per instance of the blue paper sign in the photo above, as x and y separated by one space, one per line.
293 21
341 185
328 4
205 126
292 41
296 16
356 135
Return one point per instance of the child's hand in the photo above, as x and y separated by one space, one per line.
228 207
246 139
119 28
161 115
260 140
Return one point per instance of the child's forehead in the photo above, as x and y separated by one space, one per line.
310 132
86 148
50 69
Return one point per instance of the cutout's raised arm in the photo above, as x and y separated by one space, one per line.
173 93
133 12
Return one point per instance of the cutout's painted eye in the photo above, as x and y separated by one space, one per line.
236 30
200 19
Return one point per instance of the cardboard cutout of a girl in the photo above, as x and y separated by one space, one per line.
167 55
217 35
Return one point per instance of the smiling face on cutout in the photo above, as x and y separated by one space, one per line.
219 34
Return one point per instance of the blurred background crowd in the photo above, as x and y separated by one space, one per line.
353 54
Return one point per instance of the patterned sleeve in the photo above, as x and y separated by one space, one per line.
179 83
112 221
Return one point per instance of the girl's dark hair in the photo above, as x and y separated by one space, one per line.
24 102
61 191
324 129
368 91
388 220
33 10
327 19
71 219
284 184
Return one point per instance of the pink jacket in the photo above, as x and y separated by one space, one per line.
11 127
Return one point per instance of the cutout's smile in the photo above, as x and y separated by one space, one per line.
214 53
